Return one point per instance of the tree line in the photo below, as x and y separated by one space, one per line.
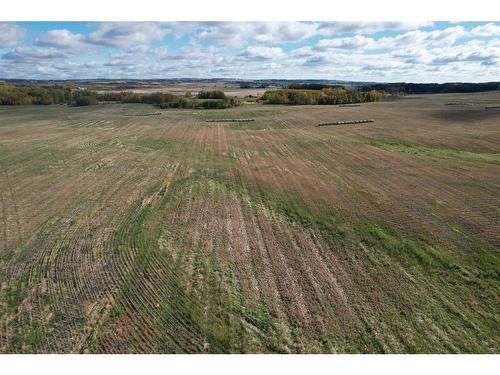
22 95
432 88
205 99
39 95
215 94
17 95
311 86
324 96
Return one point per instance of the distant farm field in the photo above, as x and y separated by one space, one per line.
128 229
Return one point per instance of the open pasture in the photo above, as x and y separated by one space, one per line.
122 232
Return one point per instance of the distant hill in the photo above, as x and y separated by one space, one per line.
390 87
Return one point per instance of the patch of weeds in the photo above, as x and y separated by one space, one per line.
13 296
7 255
28 339
407 251
154 144
324 218
330 223
256 126
56 317
86 247
436 151
97 166
261 317
219 337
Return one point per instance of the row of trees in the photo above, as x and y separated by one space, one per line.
22 95
18 95
432 88
205 99
310 86
216 94
204 104
219 103
324 96
156 98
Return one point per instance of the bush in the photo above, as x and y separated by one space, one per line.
219 103
84 100
216 94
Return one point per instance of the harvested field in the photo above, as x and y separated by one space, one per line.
181 88
122 233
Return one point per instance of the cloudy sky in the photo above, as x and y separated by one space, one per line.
359 51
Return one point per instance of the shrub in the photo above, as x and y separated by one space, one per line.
84 100
216 94
219 103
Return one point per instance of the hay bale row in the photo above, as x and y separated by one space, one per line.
457 103
349 105
345 122
146 114
231 120
492 107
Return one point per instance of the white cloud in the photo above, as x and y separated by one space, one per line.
489 29
255 50
236 34
273 33
446 36
471 52
126 34
355 43
11 34
32 55
413 39
262 53
194 51
63 39
139 55
118 35
329 28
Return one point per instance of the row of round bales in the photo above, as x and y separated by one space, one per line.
348 122
231 120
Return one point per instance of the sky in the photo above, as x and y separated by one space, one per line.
354 51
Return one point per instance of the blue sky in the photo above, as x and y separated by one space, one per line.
359 51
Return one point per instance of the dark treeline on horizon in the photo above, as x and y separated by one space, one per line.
311 86
432 88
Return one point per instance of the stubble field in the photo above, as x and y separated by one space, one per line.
123 230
